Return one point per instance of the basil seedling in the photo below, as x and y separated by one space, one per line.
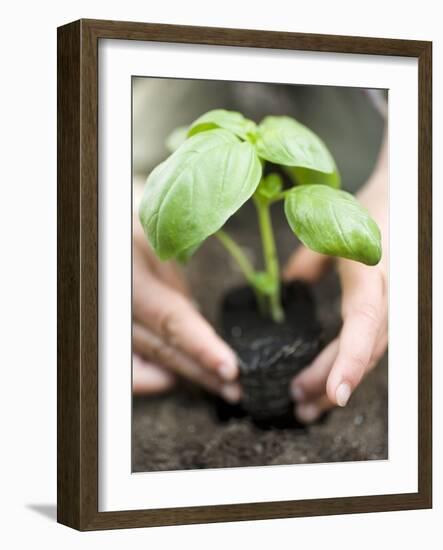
217 165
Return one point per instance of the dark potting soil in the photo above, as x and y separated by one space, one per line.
270 354
182 430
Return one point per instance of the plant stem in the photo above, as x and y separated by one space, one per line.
238 255
244 264
266 285
270 257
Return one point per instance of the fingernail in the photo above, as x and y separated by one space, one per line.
227 371
307 413
297 392
343 394
231 393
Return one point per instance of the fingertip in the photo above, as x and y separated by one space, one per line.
311 381
305 264
149 378
310 412
332 384
231 393
294 265
346 374
297 392
307 413
342 394
227 370
339 389
218 356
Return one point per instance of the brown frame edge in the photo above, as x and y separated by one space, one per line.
77 310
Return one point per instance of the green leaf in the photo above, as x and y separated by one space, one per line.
185 255
270 186
176 138
305 176
333 222
191 195
285 141
228 120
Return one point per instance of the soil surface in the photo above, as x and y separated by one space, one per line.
182 430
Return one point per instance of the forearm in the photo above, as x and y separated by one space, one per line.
375 193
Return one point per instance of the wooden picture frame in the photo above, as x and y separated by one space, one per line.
78 273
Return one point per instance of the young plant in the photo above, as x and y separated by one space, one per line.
217 165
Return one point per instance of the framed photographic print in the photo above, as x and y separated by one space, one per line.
244 274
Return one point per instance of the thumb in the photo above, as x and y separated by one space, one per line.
306 264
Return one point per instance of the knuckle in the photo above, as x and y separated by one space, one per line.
155 349
169 324
167 354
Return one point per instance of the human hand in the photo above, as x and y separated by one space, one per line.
170 337
341 366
